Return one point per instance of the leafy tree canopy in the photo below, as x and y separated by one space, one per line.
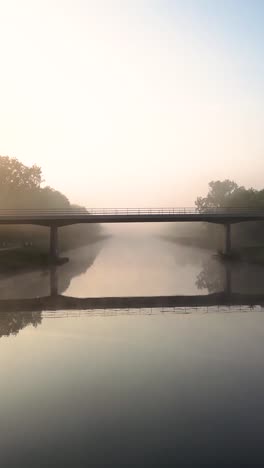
219 195
20 187
226 193
18 176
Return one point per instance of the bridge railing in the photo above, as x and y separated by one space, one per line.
173 211
96 211
28 212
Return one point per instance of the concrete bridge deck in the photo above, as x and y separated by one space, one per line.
66 217
58 218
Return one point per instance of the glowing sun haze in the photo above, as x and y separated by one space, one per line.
132 103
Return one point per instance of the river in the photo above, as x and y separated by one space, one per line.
140 388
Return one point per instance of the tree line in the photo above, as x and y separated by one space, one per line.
225 194
228 194
22 187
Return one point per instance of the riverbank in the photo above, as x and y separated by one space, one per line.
250 254
26 259
18 259
189 242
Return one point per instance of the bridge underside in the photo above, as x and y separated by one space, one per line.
68 220
54 240
55 219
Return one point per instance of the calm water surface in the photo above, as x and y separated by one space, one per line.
139 388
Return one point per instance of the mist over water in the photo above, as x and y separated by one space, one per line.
128 389
136 263
143 265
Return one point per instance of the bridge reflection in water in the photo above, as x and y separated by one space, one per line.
16 314
57 302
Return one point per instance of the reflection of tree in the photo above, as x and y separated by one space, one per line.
12 322
36 283
80 261
39 284
234 277
212 277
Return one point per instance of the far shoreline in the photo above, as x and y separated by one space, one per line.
253 254
31 258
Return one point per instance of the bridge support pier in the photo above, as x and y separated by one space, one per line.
54 245
228 279
53 281
227 250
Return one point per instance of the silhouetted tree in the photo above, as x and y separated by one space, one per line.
21 187
227 194
17 182
219 195
16 175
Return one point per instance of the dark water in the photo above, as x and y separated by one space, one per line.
145 388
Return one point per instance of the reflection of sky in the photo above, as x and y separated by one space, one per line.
136 264
97 389
37 283
140 266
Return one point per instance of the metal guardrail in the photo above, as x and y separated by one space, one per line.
28 212
59 314
67 303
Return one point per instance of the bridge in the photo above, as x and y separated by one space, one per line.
56 301
67 303
57 218
16 314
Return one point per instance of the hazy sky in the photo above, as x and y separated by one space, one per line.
138 103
